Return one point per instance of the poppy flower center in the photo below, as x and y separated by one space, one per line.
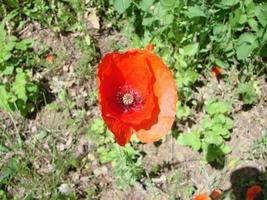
129 98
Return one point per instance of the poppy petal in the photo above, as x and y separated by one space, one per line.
131 69
253 191
121 132
201 197
165 90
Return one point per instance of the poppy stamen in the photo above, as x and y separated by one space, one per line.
127 99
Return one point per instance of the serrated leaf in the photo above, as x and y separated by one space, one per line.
190 49
186 78
229 123
195 11
216 107
8 70
245 44
261 15
212 138
121 5
214 152
145 4
32 90
168 19
183 111
253 24
4 100
19 86
207 123
221 130
191 139
24 44
248 93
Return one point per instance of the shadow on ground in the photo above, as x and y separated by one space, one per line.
244 178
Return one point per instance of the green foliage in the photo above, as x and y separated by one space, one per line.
212 132
87 48
17 90
248 92
98 126
183 111
3 195
194 36
121 5
177 189
245 44
259 147
59 15
125 161
9 170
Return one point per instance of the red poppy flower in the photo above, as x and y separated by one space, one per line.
49 58
253 191
137 93
201 197
216 194
216 71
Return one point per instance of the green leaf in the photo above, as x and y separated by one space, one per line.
190 49
168 19
24 44
250 10
221 63
191 139
195 11
19 86
221 130
229 2
214 152
98 126
229 123
11 15
148 21
4 100
183 111
121 5
32 90
216 107
7 70
245 44
145 4
211 137
222 33
261 11
186 78
207 123
168 3
248 93
226 149
2 33
3 149
253 24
